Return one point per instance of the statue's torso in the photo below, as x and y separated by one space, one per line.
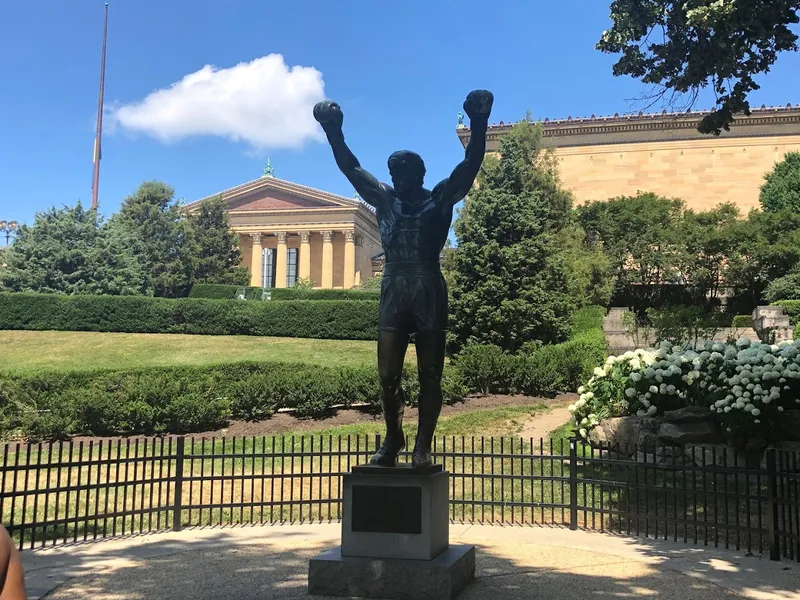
416 233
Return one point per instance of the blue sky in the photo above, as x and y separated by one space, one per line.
400 75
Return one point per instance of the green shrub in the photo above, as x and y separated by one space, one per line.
330 319
792 309
486 369
539 370
742 321
303 293
213 291
784 288
589 318
55 405
220 291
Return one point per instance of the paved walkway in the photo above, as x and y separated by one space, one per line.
512 563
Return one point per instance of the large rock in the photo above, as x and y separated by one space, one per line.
623 432
718 455
689 433
689 414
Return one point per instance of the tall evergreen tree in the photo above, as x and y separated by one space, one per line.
510 282
163 239
218 255
70 250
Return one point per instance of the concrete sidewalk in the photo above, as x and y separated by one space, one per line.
512 563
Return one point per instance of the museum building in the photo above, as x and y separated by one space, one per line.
603 157
289 232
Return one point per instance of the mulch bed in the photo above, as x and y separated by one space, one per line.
283 422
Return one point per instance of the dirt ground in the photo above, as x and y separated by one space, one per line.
284 422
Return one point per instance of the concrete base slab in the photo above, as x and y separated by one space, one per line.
441 578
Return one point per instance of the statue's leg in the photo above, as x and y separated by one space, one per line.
392 346
430 363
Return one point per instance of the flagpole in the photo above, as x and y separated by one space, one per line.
99 134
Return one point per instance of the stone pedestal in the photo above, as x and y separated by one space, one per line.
395 528
331 574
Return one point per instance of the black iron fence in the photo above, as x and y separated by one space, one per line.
77 491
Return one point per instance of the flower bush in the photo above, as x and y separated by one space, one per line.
746 385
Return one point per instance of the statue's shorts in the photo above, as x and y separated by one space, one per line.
413 298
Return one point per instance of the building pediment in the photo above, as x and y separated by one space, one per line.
273 194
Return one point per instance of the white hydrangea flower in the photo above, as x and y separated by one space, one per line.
636 377
630 392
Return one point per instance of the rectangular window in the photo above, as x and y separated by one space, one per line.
291 267
268 268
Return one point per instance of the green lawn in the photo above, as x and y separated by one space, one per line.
31 350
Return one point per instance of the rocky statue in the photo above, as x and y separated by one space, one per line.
414 224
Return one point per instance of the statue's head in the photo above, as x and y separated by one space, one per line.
407 171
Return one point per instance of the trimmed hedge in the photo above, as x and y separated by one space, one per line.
546 370
311 294
50 405
218 291
215 291
328 319
742 321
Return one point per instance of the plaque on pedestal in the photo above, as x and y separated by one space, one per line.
395 512
395 529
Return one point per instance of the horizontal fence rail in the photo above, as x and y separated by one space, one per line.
77 491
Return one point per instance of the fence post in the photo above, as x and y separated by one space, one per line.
573 483
177 502
772 507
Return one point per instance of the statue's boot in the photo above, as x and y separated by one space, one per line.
429 409
393 406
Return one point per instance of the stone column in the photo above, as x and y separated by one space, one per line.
256 261
327 259
280 260
349 259
304 268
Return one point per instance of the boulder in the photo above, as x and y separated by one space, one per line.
664 455
689 414
689 433
623 432
717 455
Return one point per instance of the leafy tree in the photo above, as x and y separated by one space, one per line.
767 248
683 47
784 288
371 283
781 190
448 263
218 255
70 250
510 284
706 244
638 235
590 273
163 238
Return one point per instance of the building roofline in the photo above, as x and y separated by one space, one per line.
289 186
575 131
616 117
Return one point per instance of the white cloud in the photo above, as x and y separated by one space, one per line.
264 103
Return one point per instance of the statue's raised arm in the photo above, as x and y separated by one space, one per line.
478 107
330 116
